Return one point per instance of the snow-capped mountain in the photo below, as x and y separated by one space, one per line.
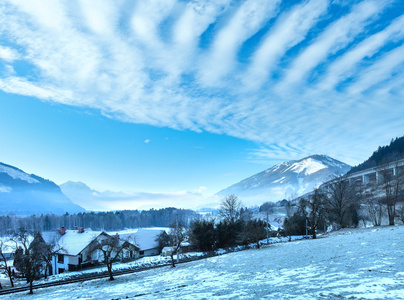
25 194
286 180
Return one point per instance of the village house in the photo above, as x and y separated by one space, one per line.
167 251
73 248
146 240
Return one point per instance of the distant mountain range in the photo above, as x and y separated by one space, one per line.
79 192
26 194
286 180
92 199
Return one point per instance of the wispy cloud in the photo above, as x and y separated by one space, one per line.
247 20
335 37
296 77
8 54
346 65
290 29
388 65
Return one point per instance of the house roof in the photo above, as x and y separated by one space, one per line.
51 237
72 242
145 239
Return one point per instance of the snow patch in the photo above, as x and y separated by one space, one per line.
309 166
279 180
15 174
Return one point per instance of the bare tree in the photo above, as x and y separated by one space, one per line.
312 208
375 207
111 249
48 251
176 236
5 268
392 184
340 197
230 208
28 256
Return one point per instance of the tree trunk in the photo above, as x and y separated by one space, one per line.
10 276
314 233
109 266
31 290
11 280
172 260
391 214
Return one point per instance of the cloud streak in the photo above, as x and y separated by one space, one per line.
295 78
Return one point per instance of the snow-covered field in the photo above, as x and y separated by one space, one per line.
349 264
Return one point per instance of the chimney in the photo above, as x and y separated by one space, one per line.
81 230
76 228
62 230
117 235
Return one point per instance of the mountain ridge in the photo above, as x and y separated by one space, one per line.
384 154
23 194
288 179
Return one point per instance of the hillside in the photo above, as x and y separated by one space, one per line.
349 264
25 194
288 179
383 154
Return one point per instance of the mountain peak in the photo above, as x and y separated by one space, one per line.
287 179
25 194
78 185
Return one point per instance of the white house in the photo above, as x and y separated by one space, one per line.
145 239
167 251
74 248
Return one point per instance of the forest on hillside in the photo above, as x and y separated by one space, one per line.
384 154
107 221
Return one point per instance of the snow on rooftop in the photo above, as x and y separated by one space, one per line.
73 242
144 238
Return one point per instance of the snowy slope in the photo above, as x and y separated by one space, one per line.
289 179
350 264
24 194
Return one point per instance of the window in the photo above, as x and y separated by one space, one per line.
61 258
141 252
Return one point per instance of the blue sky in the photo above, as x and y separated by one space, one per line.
188 97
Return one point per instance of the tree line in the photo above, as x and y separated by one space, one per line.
107 221
236 226
384 154
342 203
